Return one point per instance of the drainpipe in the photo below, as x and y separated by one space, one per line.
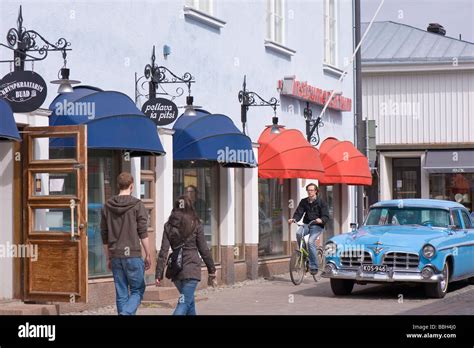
359 129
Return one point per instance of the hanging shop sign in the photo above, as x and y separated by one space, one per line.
25 91
161 111
290 87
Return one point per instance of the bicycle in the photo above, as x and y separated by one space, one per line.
299 262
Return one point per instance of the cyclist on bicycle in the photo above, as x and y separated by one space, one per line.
316 212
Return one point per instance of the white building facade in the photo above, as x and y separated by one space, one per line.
418 86
218 42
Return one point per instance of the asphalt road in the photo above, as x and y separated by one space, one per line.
280 297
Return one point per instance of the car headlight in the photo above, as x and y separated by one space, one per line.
330 249
429 251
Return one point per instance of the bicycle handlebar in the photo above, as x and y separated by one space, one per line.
302 224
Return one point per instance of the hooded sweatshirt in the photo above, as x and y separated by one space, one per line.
123 224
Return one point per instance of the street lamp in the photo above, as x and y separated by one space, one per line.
30 45
312 125
65 85
189 108
156 76
247 99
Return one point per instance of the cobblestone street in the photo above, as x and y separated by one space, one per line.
279 296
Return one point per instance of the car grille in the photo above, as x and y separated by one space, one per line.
401 260
356 259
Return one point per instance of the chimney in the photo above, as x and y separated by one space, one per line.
436 28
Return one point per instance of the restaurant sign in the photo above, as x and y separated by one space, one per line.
25 91
290 87
161 111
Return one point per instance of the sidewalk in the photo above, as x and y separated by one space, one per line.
279 296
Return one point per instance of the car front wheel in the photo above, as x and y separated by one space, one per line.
440 289
342 287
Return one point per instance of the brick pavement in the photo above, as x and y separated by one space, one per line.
280 297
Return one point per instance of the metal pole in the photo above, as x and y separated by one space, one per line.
358 108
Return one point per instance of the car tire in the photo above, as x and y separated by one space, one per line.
342 287
440 289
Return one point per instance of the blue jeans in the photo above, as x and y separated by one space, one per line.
314 232
129 277
186 288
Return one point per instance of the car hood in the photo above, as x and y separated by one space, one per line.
397 236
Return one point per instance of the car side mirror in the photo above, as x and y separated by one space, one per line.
353 226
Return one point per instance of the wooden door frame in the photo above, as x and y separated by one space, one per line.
18 237
149 175
77 165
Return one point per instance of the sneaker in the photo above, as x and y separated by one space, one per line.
313 271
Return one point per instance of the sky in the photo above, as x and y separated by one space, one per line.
456 16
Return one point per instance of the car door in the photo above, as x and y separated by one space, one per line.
468 244
456 240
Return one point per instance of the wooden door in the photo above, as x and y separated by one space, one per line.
55 213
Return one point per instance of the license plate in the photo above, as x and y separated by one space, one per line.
374 268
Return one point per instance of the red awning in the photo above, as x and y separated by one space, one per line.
343 164
287 155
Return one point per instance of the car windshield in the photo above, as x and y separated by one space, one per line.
408 216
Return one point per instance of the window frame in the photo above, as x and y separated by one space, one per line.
285 211
326 28
197 5
272 16
464 214
453 212
149 176
214 218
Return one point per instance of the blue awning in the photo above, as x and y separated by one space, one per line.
113 121
211 137
8 129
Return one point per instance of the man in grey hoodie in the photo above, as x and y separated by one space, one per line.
123 226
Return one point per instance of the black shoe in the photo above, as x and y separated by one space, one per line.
313 271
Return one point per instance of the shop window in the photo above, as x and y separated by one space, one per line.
103 169
406 178
276 21
206 6
239 244
457 187
201 185
273 210
327 194
54 184
330 32
145 163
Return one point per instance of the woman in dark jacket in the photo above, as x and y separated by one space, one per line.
184 226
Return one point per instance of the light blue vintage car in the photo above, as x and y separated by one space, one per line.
410 240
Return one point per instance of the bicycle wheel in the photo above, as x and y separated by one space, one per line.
297 267
321 263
